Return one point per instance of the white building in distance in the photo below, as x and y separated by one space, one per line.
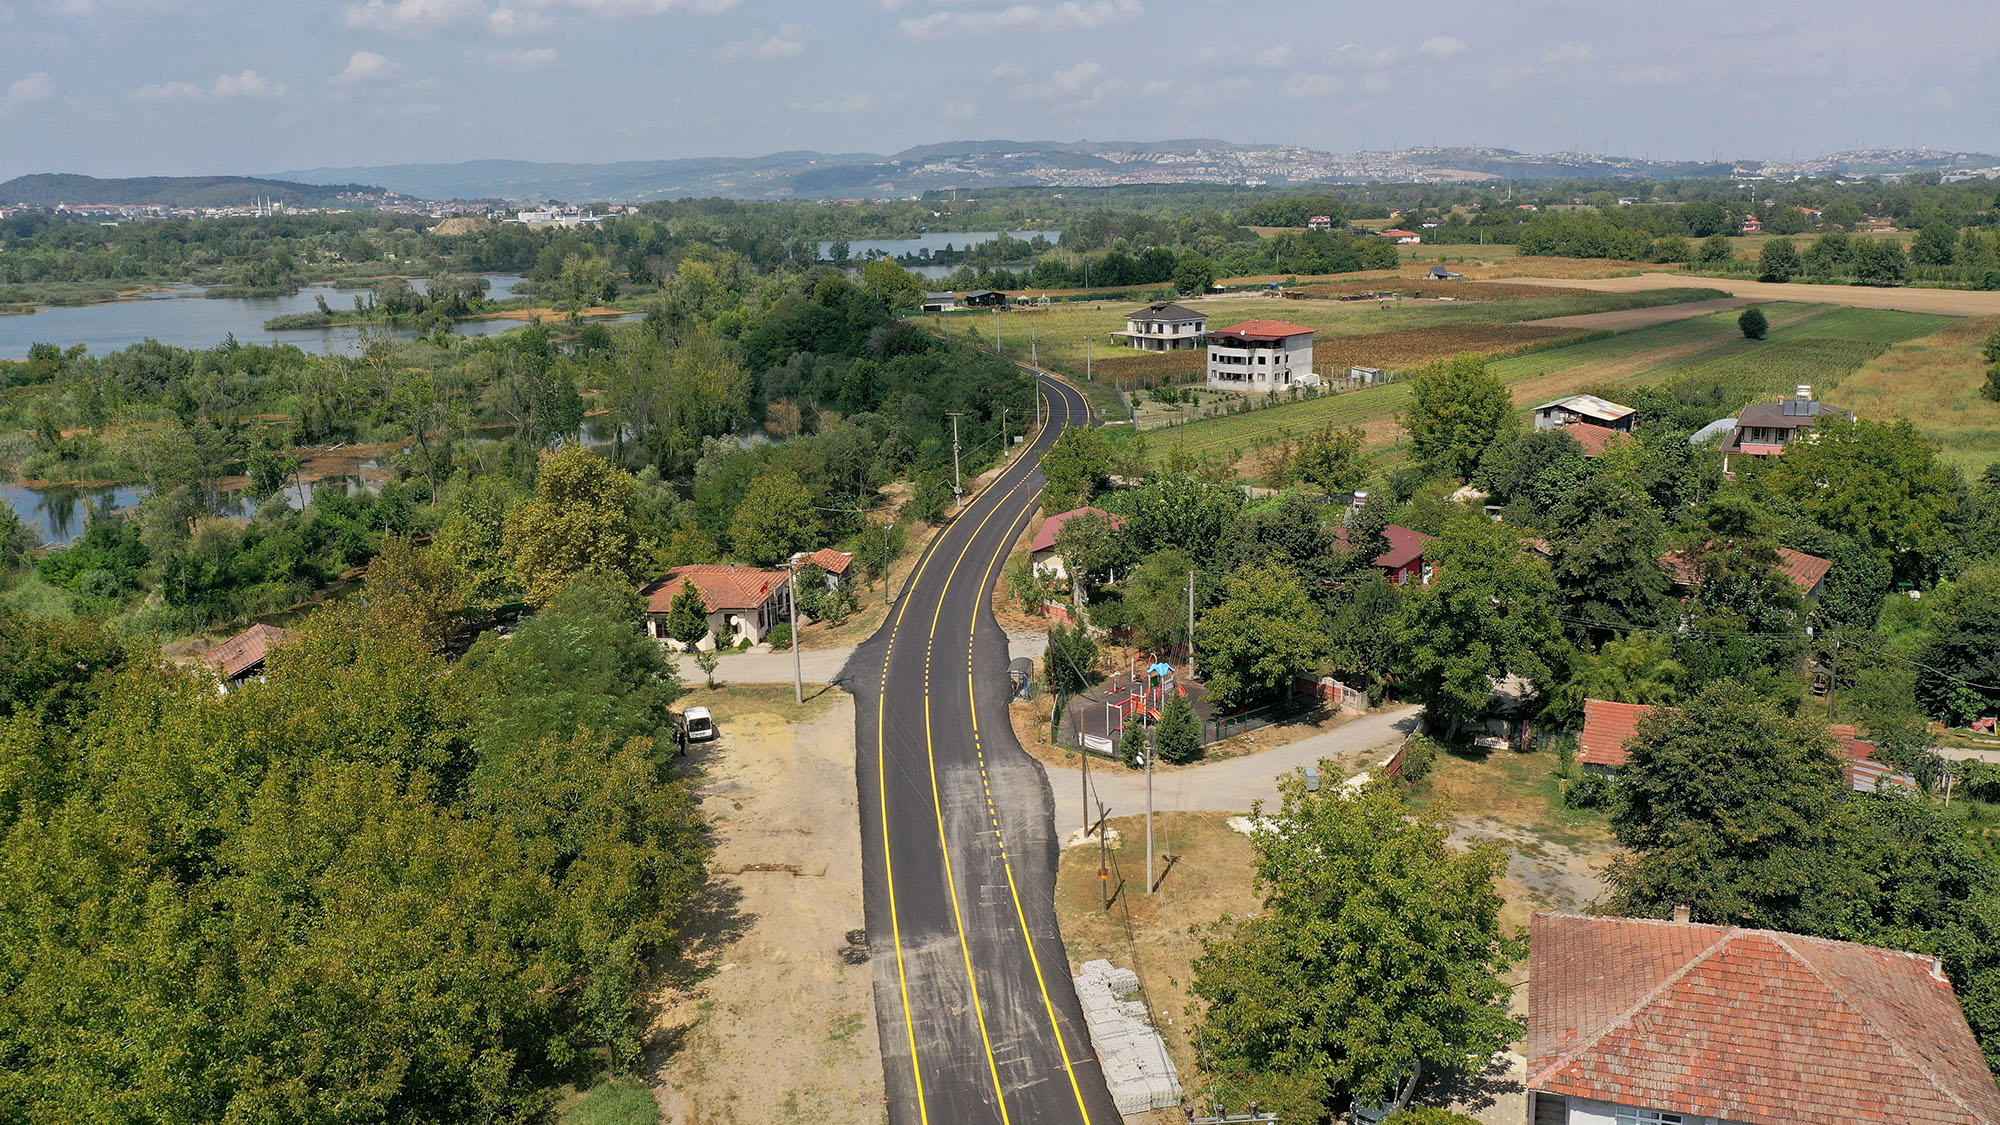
1163 326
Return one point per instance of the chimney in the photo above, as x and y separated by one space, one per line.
1682 913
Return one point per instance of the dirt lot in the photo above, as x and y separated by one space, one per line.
775 1020
1948 302
1627 319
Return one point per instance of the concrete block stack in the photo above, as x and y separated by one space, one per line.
1133 1055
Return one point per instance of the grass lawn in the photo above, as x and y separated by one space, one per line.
622 1100
732 701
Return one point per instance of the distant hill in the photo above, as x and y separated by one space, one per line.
50 189
1004 163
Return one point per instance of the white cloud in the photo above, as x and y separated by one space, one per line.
959 111
649 7
1310 85
1941 99
1386 56
1375 83
850 104
1276 56
539 58
789 41
1070 15
1005 72
1443 46
1571 52
1653 76
1157 88
1074 79
365 66
30 88
412 16
514 21
248 84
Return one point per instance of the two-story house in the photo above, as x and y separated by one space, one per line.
1163 326
1259 355
1764 429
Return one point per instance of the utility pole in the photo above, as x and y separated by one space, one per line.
1833 678
1150 752
798 673
1003 432
957 489
1032 360
1086 359
996 328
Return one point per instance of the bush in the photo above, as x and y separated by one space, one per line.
1591 791
1419 755
1178 737
1428 1115
1753 324
780 636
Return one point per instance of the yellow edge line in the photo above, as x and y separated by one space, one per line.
1020 912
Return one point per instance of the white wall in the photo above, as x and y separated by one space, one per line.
1582 1111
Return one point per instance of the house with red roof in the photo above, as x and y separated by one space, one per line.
1807 572
241 658
1402 236
1048 561
1404 562
1637 1020
1609 727
834 564
742 602
1259 355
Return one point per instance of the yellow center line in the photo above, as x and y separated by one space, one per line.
1013 888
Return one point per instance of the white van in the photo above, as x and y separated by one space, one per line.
699 724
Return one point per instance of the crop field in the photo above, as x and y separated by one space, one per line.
1426 288
1811 344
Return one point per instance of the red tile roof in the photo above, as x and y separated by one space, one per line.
1607 727
1748 1025
1045 539
1808 571
830 560
722 587
1263 330
242 653
1405 545
1594 439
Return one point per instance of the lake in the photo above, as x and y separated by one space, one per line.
859 248
59 514
181 316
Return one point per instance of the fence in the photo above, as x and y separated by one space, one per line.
1257 718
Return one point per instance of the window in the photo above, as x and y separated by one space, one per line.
1647 1117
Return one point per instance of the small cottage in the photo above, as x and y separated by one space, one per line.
742 602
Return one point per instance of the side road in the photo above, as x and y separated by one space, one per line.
816 666
1230 785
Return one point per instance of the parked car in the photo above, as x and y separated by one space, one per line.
699 724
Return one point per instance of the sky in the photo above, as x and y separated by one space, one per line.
202 87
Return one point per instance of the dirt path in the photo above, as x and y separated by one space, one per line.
1947 302
1627 319
780 1025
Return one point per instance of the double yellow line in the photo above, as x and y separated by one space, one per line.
937 805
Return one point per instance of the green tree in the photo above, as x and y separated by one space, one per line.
1266 633
1193 274
1936 244
1178 511
1156 600
1991 350
893 285
1878 483
1715 250
580 520
1331 459
1753 324
1132 744
1077 467
1458 410
687 615
1878 261
776 518
1092 548
1489 612
1958 674
1377 957
1070 663
1606 562
708 660
1779 261
1178 737
1723 805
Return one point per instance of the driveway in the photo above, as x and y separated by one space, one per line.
817 666
1230 785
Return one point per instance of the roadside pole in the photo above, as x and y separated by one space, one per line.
1190 624
957 489
1150 751
798 673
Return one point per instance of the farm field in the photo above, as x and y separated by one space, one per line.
1813 344
1934 381
1057 335
1944 302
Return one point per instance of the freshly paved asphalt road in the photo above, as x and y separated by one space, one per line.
978 1019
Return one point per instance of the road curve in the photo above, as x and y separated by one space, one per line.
977 1016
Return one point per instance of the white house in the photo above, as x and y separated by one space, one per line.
1163 327
1405 237
1320 222
1259 355
742 602
940 302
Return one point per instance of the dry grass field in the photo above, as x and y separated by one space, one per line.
1934 381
